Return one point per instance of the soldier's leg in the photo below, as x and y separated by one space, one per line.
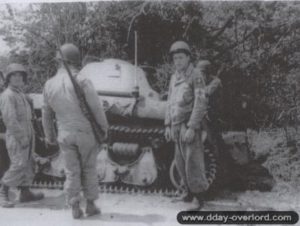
91 184
89 150
20 173
195 165
72 161
26 195
179 152
195 170
73 172
16 173
180 165
180 162
4 199
73 178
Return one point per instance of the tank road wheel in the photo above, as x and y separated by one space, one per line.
210 165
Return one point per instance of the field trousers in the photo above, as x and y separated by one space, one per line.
21 168
80 150
189 159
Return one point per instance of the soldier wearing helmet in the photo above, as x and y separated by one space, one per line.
75 135
13 69
17 114
186 108
180 47
70 54
212 82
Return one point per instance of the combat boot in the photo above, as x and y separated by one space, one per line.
91 208
4 199
200 205
76 210
27 196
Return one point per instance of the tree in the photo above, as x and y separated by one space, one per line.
255 43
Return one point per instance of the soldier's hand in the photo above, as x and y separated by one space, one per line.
189 135
168 133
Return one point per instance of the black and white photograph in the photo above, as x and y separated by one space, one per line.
149 113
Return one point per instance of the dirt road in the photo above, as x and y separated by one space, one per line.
136 210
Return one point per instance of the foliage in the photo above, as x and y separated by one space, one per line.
281 157
256 43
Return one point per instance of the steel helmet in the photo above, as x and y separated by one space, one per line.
180 47
70 54
11 68
203 63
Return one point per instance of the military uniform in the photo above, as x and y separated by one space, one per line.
186 107
17 115
209 123
212 86
75 135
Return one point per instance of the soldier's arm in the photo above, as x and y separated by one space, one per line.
200 101
9 116
48 116
167 114
212 86
95 103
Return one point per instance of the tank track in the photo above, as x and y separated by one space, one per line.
128 133
134 133
136 130
113 189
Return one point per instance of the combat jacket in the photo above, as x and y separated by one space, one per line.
186 99
60 97
16 114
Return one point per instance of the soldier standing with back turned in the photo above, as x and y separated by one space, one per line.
76 139
185 109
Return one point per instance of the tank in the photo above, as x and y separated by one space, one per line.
136 153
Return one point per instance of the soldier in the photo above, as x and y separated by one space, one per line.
212 82
17 114
75 135
185 110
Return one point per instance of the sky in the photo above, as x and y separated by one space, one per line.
21 5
